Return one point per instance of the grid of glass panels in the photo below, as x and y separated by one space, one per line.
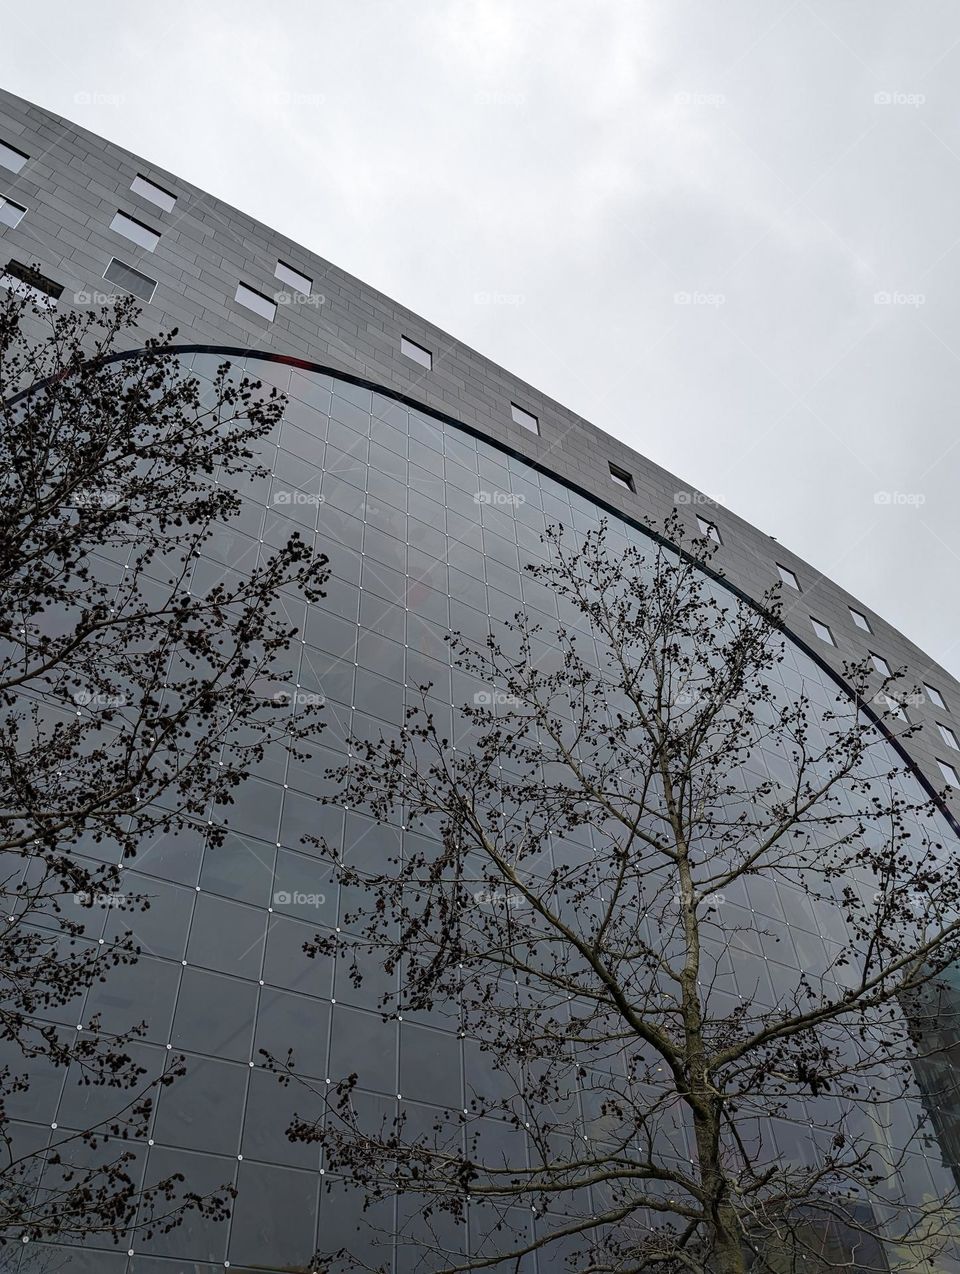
427 529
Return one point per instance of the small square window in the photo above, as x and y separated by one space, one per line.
709 530
822 631
12 158
130 280
410 349
936 698
621 477
11 214
788 577
156 194
949 738
135 230
26 281
293 278
525 419
256 301
949 773
860 620
881 665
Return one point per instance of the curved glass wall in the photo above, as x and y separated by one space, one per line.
391 494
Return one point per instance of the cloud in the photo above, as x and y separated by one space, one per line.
584 164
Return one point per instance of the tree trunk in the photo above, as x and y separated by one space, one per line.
729 1256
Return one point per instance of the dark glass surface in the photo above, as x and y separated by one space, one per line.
412 550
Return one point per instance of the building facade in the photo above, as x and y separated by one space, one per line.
399 428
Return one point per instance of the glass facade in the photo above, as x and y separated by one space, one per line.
395 497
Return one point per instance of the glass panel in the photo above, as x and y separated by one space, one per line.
202 1110
11 214
293 1022
286 964
430 1066
12 158
362 1044
935 697
227 936
293 278
270 1111
215 1015
196 1239
256 301
160 926
526 419
240 868
133 993
135 230
130 280
156 194
419 355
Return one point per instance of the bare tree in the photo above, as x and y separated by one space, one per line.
134 697
688 909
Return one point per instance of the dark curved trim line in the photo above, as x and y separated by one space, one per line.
303 364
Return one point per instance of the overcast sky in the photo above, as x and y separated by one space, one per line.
728 234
